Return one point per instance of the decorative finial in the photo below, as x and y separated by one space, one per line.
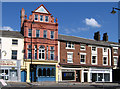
56 20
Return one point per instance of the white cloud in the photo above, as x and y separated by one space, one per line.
67 31
83 28
92 22
6 28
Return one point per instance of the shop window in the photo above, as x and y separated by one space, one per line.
106 77
48 72
68 76
41 52
39 72
53 72
52 35
44 72
6 72
46 19
41 18
36 17
14 42
45 34
69 45
100 76
94 77
14 54
69 57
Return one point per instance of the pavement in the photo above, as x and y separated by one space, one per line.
37 85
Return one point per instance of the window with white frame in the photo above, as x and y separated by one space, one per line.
115 51
105 61
14 54
37 33
41 18
0 40
105 49
82 47
69 45
29 53
51 55
14 42
52 35
41 52
36 17
35 52
29 32
45 34
115 60
82 58
94 60
69 57
93 48
52 48
46 19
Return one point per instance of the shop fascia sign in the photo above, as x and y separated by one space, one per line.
8 63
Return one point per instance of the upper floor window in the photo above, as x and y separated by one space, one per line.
115 60
36 17
15 42
69 57
14 54
105 49
37 33
82 58
29 54
41 18
93 48
46 19
105 62
0 53
41 52
69 45
30 32
45 34
52 35
52 48
82 47
94 60
35 52
52 55
115 51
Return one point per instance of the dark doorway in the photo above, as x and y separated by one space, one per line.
85 77
77 75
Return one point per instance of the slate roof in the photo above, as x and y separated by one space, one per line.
83 40
14 34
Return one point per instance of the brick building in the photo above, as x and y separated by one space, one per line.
86 60
40 34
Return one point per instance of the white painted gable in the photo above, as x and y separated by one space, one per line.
41 10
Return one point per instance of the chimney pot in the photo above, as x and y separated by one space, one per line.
97 36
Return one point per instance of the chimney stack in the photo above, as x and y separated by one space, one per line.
97 36
105 37
22 16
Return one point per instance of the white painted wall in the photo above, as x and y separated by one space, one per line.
6 46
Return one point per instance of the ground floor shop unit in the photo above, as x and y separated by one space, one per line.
41 71
85 74
10 70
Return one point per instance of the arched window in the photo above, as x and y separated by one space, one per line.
41 52
53 72
48 72
44 72
39 72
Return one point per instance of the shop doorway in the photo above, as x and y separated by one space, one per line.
13 75
85 77
77 75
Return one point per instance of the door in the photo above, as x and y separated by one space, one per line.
77 75
13 75
85 77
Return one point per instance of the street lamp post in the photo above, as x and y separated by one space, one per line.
31 67
113 12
